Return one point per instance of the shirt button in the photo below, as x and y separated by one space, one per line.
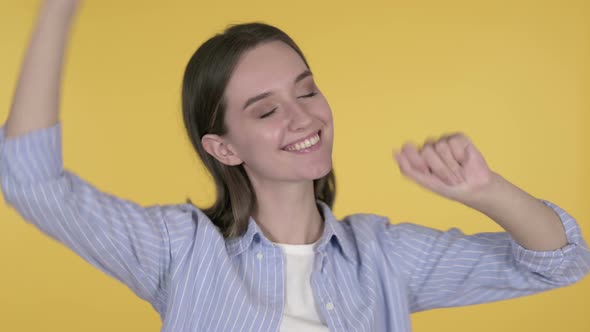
329 306
259 255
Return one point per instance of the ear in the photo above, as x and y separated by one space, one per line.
220 150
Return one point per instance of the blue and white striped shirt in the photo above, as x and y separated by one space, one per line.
369 274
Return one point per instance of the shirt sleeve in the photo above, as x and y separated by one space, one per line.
449 268
126 241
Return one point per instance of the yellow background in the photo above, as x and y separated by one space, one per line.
512 75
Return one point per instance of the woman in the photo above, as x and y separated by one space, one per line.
269 254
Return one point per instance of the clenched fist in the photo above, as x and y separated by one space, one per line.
450 166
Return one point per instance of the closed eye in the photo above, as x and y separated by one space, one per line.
268 114
309 95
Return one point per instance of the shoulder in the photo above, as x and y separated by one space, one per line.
370 223
380 230
187 220
364 222
366 231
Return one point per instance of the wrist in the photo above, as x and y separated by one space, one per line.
490 195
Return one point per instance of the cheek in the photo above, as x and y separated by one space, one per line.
324 112
264 138
253 141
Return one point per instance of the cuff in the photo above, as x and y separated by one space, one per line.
32 157
555 260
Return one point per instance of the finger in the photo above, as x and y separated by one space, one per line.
443 149
459 144
416 161
427 179
438 167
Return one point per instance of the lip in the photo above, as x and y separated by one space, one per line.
318 132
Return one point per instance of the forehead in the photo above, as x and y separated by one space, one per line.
267 67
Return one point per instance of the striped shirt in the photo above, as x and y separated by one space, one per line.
368 274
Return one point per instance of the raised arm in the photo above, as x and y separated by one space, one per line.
36 98
123 239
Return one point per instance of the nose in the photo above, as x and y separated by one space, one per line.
300 117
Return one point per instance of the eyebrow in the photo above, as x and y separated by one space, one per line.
263 95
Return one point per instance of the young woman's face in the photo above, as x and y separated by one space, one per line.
279 124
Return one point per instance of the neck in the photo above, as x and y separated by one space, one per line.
287 212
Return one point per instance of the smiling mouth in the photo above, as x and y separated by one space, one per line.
305 144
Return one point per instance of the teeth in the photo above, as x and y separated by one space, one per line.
305 144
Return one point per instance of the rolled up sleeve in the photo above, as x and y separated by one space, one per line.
449 268
566 264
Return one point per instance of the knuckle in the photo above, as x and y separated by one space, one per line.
440 146
453 140
427 147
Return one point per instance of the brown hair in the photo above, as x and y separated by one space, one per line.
203 107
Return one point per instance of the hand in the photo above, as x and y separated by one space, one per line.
451 167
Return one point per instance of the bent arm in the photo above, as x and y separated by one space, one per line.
531 223
449 268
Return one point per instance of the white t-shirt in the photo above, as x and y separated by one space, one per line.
301 312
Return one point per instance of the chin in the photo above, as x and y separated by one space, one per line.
319 172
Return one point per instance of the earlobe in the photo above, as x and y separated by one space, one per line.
217 147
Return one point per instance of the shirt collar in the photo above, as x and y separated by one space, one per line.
333 229
237 245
